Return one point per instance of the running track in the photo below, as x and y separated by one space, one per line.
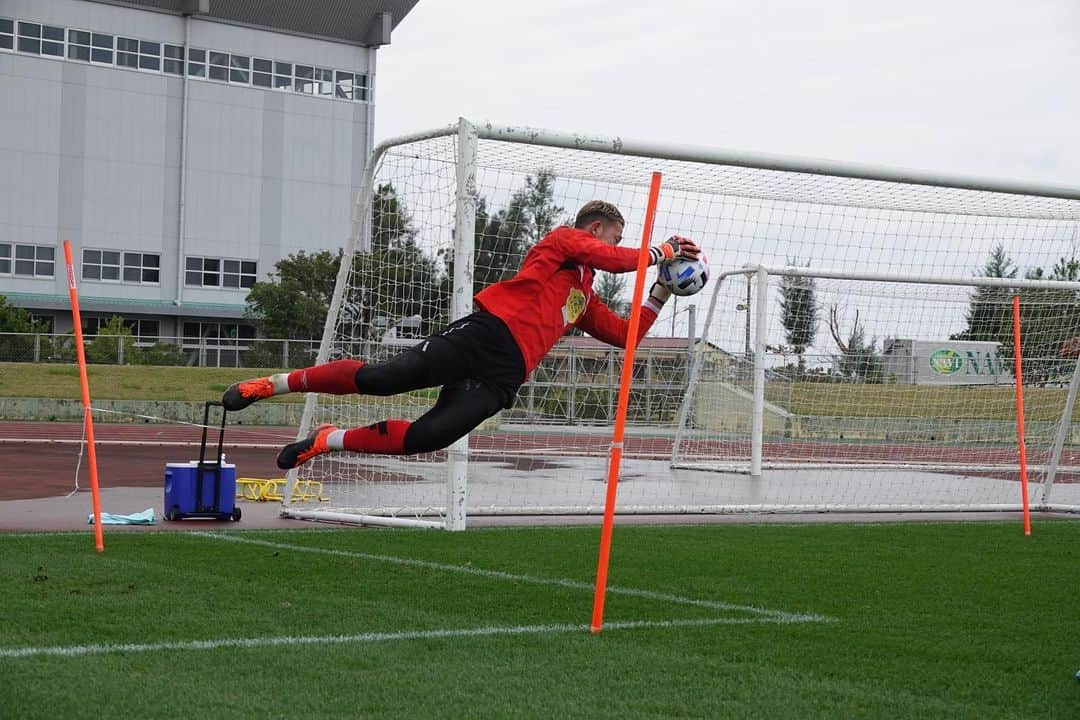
38 459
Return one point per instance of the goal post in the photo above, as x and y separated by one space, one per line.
767 412
969 435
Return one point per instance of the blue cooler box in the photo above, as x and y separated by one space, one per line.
216 498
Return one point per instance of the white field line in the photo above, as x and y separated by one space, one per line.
778 616
290 640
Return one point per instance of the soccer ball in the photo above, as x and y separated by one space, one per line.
684 277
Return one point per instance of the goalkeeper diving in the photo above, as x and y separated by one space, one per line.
482 359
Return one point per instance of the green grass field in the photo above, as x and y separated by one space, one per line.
734 621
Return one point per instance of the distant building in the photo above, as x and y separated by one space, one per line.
182 146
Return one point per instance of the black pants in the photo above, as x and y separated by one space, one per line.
477 363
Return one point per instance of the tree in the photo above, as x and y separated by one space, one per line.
537 202
292 303
610 288
111 337
858 359
1048 318
394 279
503 237
989 314
17 347
798 314
500 241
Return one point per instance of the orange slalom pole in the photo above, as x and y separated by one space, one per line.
1020 413
620 413
88 415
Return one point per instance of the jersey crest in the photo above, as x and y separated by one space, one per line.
574 307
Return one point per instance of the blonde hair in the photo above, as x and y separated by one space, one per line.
597 210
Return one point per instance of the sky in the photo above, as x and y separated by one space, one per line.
986 87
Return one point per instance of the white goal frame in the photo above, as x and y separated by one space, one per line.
756 464
468 134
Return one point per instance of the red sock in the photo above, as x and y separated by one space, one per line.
336 378
386 437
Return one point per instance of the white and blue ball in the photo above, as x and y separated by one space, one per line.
684 277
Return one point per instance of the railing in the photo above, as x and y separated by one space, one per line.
161 351
569 387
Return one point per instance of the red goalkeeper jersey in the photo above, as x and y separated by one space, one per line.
553 290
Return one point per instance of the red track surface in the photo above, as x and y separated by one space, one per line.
38 459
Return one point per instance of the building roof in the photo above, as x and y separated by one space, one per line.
359 22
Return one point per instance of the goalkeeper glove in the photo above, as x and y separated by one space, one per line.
658 295
674 246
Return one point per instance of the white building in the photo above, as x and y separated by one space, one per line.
182 146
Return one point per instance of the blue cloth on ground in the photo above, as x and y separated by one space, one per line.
146 517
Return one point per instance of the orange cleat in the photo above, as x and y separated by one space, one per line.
241 394
299 452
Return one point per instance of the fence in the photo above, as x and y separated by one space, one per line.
161 351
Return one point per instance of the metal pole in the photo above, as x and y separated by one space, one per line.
747 345
1062 433
757 429
691 335
461 304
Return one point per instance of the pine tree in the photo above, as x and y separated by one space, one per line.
989 314
799 314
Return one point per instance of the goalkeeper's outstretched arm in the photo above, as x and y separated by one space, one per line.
604 325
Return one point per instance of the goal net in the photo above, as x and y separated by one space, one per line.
838 415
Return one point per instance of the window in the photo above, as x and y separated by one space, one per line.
202 272
305 79
34 260
145 330
101 265
222 333
360 87
78 45
219 66
283 76
324 82
29 38
149 55
92 325
196 66
344 88
5 258
88 46
7 34
127 52
238 69
101 48
174 59
41 39
262 72
238 273
141 267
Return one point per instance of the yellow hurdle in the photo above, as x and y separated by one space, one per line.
263 490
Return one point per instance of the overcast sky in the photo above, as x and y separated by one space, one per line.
987 87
